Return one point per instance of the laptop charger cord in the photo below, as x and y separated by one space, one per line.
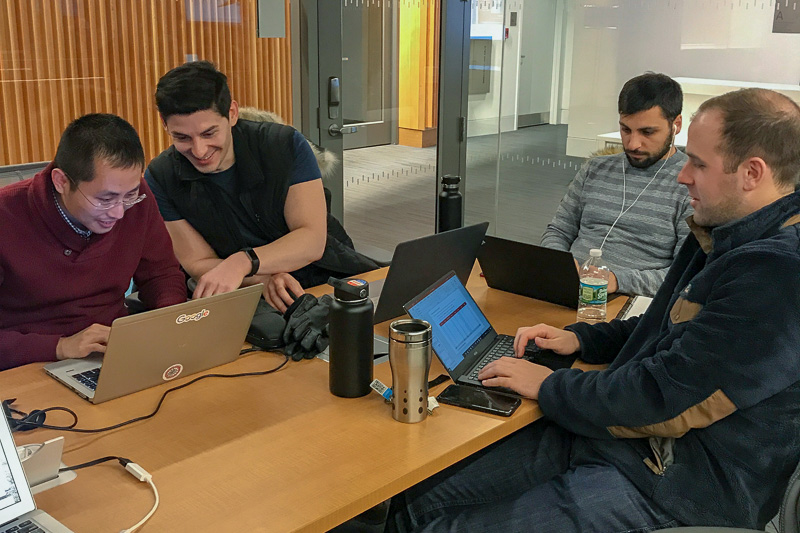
36 418
133 469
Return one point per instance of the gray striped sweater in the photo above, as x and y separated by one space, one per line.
640 248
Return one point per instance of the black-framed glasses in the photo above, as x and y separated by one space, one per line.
105 205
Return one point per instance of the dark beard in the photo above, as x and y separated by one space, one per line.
645 163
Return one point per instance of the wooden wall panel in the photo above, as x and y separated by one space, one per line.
60 59
418 72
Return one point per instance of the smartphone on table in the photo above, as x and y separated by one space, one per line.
479 399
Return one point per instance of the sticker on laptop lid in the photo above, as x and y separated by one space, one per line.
194 317
172 372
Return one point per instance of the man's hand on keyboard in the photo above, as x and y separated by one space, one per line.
90 340
561 341
517 374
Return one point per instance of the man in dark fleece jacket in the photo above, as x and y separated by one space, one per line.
697 419
71 239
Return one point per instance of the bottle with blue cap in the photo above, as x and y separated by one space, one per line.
350 332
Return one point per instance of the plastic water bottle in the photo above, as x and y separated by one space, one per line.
593 288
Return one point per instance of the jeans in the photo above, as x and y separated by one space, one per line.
542 478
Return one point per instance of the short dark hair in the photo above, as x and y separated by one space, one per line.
193 87
97 136
759 123
649 90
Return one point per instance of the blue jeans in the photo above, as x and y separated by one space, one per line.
542 478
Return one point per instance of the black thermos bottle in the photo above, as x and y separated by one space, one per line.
350 333
450 204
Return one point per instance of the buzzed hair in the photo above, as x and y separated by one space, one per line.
759 123
93 137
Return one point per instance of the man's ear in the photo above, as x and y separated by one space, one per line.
755 171
678 123
163 122
233 113
60 180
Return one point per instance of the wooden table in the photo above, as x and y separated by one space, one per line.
269 453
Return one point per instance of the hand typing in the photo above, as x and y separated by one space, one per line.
560 341
90 340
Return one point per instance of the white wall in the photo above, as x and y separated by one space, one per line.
497 108
615 40
537 35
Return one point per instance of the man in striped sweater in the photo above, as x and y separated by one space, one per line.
630 204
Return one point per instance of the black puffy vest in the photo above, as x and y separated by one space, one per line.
264 158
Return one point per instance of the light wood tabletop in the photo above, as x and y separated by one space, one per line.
267 453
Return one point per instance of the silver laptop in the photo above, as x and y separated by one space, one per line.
147 349
17 509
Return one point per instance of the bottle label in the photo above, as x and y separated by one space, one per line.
593 292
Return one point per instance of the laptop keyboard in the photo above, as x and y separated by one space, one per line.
88 379
503 346
24 527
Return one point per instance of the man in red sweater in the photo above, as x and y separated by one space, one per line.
71 239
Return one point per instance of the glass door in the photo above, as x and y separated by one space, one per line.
371 99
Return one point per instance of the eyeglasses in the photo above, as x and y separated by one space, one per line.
105 205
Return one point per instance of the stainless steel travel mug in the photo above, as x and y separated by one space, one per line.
410 359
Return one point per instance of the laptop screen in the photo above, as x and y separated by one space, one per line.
457 323
15 495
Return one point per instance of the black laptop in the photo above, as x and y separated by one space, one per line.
419 263
461 336
530 270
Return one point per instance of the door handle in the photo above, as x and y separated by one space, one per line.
334 97
335 129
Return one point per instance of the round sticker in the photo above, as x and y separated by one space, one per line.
172 372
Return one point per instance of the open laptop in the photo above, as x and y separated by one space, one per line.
17 509
418 263
530 270
415 265
150 348
461 336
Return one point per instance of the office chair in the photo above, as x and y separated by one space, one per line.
787 520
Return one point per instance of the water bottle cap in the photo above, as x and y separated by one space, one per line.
349 290
595 252
449 179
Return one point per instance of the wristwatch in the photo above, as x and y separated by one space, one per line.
254 261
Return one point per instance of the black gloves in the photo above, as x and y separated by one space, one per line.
306 333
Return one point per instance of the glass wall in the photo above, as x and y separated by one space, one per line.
545 76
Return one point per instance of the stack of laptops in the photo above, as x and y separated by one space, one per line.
147 349
530 270
18 511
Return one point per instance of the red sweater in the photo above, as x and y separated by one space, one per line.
54 283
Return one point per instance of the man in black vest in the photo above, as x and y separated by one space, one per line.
243 201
